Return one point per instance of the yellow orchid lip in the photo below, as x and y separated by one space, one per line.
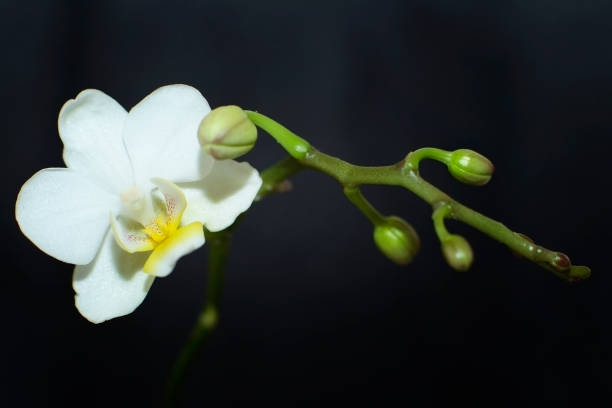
185 240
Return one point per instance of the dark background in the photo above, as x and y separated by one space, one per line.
313 315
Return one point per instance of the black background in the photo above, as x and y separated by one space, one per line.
313 315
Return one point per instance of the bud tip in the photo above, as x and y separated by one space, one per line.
457 252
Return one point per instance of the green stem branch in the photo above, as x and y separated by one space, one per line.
405 174
438 217
275 176
292 143
414 158
354 195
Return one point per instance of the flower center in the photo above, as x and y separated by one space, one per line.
150 222
159 229
147 220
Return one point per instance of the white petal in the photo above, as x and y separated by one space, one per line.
164 257
64 214
112 285
161 135
91 127
225 193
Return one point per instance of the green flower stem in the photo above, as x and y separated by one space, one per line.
275 176
414 158
292 143
405 174
438 219
354 195
219 245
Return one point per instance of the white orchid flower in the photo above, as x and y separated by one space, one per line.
134 197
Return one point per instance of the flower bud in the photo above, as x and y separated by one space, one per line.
397 239
561 262
226 133
458 252
470 167
578 273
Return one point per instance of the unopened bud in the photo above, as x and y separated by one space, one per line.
470 167
397 239
561 262
458 252
226 133
578 273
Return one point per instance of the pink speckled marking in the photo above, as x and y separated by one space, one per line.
170 205
134 238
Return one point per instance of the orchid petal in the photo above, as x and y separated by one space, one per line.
225 193
160 134
91 128
112 285
64 214
130 235
184 241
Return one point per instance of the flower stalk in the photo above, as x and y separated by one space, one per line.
292 143
355 196
405 174
277 175
219 245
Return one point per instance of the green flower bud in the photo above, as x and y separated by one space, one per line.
458 252
578 273
470 167
226 133
397 239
